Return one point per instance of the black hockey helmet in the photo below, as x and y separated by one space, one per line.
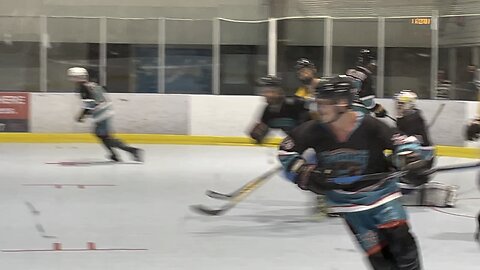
336 88
304 63
270 80
270 87
365 57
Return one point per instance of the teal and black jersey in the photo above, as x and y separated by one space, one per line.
362 153
287 115
364 100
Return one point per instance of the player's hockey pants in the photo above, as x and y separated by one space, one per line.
384 235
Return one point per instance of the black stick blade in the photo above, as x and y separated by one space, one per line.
218 195
200 209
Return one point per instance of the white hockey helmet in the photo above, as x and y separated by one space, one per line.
406 101
77 74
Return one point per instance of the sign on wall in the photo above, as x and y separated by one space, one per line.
14 112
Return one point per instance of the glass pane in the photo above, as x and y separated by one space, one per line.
19 54
458 58
132 55
407 56
349 37
72 42
188 56
299 38
243 56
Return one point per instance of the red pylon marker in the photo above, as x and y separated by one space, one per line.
91 246
57 246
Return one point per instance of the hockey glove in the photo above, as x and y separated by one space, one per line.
259 132
80 118
379 111
312 179
415 167
473 130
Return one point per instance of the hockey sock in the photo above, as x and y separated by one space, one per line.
106 143
402 246
119 144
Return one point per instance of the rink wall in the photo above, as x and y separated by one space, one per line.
202 119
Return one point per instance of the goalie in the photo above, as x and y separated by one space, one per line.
420 192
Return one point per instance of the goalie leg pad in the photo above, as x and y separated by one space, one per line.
430 194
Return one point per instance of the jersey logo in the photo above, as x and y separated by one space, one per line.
345 162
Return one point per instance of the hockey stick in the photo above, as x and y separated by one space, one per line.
340 180
236 196
252 184
435 116
388 175
391 118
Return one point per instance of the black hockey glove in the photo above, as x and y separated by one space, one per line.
473 130
311 178
416 168
259 132
80 118
82 114
379 111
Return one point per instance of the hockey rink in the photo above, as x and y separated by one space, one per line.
64 207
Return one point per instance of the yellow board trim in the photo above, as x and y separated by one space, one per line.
450 151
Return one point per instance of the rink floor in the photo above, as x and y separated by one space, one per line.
58 214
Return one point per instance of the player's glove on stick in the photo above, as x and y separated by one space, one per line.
259 132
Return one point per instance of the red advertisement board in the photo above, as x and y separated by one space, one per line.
14 111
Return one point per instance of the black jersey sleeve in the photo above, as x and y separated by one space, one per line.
265 115
302 111
384 134
293 146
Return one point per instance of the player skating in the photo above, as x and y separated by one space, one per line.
96 104
352 143
306 73
281 112
364 99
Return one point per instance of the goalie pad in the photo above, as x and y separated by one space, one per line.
430 194
259 131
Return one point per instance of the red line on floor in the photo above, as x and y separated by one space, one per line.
72 249
81 186
57 247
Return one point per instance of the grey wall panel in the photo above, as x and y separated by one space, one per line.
151 113
134 113
51 113
459 31
448 129
304 32
188 32
243 33
355 32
